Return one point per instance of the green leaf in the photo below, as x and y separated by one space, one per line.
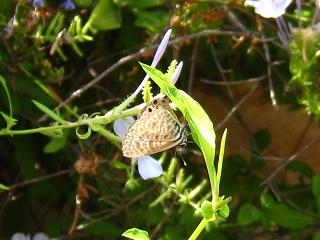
284 216
316 236
55 25
316 186
138 4
136 234
120 165
262 139
224 211
207 210
154 21
105 16
4 85
248 214
199 122
4 187
266 200
9 121
57 143
220 161
301 168
49 112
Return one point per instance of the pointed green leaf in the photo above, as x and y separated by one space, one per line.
104 16
4 85
49 112
9 120
56 143
3 187
136 234
248 214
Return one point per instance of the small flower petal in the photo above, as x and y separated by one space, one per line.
149 167
269 8
40 236
120 126
68 5
20 236
176 73
37 3
161 49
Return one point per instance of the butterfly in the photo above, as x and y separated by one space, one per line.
156 129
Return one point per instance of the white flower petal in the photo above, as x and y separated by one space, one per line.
269 8
149 167
120 126
162 47
176 73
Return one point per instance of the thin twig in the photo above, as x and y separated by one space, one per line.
118 210
39 179
238 82
222 72
237 106
193 64
303 133
289 160
134 56
269 72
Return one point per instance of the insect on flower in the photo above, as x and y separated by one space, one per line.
148 167
156 129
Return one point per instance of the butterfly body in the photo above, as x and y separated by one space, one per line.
156 129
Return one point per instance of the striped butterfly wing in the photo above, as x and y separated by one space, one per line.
156 129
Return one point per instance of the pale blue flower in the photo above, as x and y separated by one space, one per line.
37 236
148 167
37 3
157 56
68 5
269 8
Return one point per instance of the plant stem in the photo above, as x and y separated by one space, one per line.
198 230
107 118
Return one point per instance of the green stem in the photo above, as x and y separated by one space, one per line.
107 118
212 177
199 229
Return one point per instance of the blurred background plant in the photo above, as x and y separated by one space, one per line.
250 73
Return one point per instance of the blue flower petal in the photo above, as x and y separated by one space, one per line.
20 236
68 5
120 126
40 236
149 167
37 3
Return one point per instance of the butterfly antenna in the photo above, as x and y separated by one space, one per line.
179 150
